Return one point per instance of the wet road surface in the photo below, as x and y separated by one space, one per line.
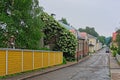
94 68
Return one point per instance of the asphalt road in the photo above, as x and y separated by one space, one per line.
94 68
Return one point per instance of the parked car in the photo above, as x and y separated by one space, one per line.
107 50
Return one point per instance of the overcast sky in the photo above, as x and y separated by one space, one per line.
103 15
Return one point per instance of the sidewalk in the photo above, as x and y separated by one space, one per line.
40 72
114 68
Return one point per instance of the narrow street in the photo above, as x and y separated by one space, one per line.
94 68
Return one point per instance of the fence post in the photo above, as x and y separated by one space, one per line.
33 59
59 57
54 58
48 58
42 59
22 61
6 62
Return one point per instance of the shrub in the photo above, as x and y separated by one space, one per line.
118 50
56 34
114 53
113 48
64 60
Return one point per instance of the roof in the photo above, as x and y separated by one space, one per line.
90 36
83 35
79 35
66 26
70 28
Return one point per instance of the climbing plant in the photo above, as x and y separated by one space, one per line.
67 43
56 34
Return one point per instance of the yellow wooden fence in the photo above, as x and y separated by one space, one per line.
15 61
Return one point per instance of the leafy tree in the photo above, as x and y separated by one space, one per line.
89 30
21 18
63 20
108 40
56 34
82 30
101 39
118 39
67 43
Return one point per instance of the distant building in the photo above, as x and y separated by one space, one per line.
98 45
92 43
114 35
80 46
84 35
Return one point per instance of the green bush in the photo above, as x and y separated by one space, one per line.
118 50
67 44
56 34
113 48
64 60
114 53
71 59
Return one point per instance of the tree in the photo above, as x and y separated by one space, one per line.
63 20
118 39
101 39
56 34
21 18
89 30
108 40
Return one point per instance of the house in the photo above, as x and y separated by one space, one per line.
98 45
114 35
92 43
80 46
84 35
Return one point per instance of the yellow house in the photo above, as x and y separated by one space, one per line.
98 45
92 43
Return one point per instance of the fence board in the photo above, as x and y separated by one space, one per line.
2 62
23 60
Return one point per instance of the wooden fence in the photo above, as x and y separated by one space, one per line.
16 61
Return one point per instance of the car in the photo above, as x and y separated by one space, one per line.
107 50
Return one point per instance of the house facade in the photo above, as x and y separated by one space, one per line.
84 35
114 35
80 46
98 45
92 43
